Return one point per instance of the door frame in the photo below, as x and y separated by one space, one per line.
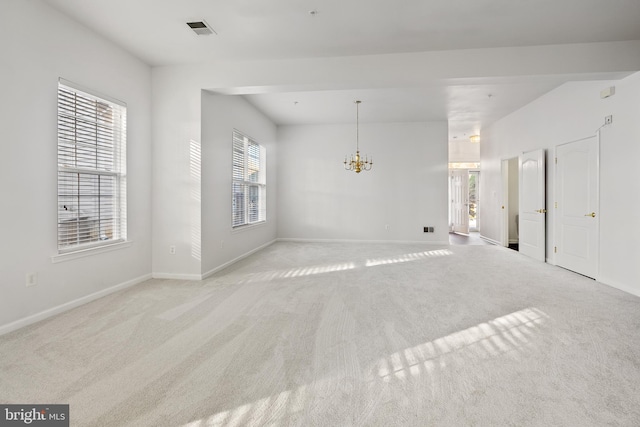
504 171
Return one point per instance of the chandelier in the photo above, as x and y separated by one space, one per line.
357 164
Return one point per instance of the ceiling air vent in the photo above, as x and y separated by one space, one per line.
201 28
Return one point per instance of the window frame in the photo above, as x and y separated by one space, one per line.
248 180
96 184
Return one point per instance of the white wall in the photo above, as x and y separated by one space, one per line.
568 113
407 188
463 151
176 209
37 46
176 111
221 114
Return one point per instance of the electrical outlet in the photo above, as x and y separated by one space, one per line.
172 250
32 279
608 120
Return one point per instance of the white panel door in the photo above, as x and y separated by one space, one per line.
460 200
532 238
505 202
576 233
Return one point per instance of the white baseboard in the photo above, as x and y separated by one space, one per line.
10 327
233 261
495 242
403 242
622 287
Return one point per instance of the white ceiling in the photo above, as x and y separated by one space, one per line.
156 32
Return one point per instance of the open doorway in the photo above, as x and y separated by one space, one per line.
511 202
464 207
474 200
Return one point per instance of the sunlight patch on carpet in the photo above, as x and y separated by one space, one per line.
485 340
408 257
489 339
311 270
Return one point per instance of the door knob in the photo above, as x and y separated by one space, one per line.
592 215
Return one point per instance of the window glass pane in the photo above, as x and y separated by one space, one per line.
238 208
91 165
248 192
254 204
253 162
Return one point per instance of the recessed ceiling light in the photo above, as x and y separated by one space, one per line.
201 28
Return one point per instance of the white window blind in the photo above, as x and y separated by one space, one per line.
249 205
91 169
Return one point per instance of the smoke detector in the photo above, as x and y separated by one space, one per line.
201 28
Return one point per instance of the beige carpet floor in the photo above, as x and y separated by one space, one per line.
311 334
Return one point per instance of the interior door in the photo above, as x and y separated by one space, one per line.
532 238
577 230
460 200
505 202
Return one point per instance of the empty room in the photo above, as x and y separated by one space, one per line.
293 213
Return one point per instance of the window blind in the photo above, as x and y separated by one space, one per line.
249 181
91 169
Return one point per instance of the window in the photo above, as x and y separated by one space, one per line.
248 202
91 169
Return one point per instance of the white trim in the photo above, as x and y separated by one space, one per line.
247 227
233 261
174 276
291 239
495 242
619 286
10 327
68 256
198 277
90 92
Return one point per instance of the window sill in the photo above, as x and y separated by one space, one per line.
241 228
90 251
